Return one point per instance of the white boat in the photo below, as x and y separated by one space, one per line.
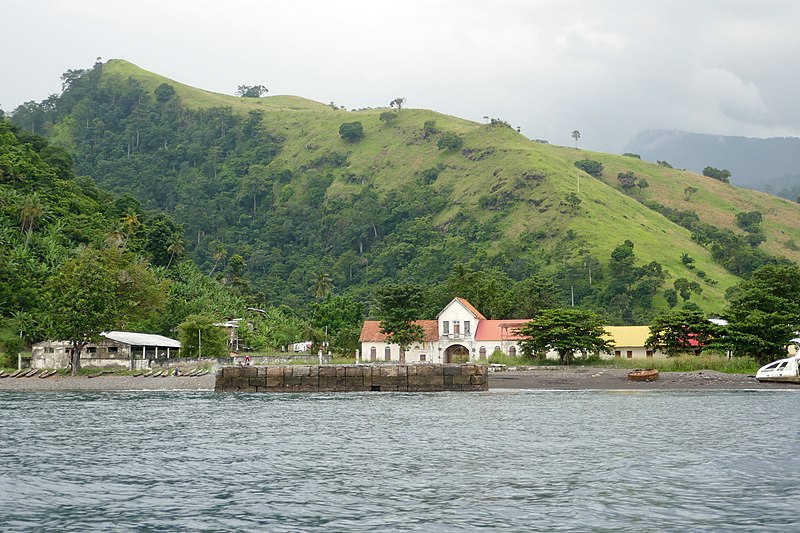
782 370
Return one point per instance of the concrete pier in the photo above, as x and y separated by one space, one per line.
353 378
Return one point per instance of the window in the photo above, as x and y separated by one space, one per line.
113 349
649 353
456 327
617 353
373 354
422 357
466 327
446 327
387 353
629 354
512 351
91 349
482 352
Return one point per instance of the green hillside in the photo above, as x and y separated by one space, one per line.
270 179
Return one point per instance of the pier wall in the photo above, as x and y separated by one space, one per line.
353 378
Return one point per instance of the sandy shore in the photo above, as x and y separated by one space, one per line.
540 378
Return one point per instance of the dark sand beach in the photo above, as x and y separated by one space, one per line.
599 378
539 378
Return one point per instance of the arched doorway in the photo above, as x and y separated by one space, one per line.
456 353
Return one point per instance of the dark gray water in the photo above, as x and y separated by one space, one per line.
512 460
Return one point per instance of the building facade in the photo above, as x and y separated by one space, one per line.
461 333
118 349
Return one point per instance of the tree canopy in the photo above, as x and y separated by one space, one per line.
100 290
566 331
681 331
764 312
399 306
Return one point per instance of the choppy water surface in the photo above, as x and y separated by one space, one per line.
546 461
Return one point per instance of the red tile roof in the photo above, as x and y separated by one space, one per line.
371 331
499 330
471 308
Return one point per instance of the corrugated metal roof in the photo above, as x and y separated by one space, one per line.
141 339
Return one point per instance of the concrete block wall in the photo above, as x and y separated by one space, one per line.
353 378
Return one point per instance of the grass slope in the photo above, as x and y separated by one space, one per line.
498 161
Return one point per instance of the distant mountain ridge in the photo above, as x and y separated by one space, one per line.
771 165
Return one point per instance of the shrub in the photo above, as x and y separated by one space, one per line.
429 129
449 141
723 175
593 168
387 117
351 131
429 175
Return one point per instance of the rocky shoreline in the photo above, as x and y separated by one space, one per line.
539 378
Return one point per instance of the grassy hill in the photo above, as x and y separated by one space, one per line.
503 195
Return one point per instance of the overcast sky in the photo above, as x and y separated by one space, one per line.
608 69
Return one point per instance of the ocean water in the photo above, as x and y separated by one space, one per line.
496 461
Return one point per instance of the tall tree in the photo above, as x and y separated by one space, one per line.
400 306
100 290
322 287
576 135
175 247
680 332
764 312
566 331
398 102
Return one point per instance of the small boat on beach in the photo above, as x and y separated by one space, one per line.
643 374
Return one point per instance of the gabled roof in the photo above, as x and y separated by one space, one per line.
499 330
464 303
371 331
141 339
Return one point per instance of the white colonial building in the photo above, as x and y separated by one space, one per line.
461 333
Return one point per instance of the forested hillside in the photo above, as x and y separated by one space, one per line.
310 198
49 217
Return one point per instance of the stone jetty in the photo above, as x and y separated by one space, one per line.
353 378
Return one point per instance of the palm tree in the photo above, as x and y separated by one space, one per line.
130 221
175 246
322 286
576 135
220 253
29 214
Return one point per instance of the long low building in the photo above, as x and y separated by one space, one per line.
118 349
461 333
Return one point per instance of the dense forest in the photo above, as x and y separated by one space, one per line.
301 212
